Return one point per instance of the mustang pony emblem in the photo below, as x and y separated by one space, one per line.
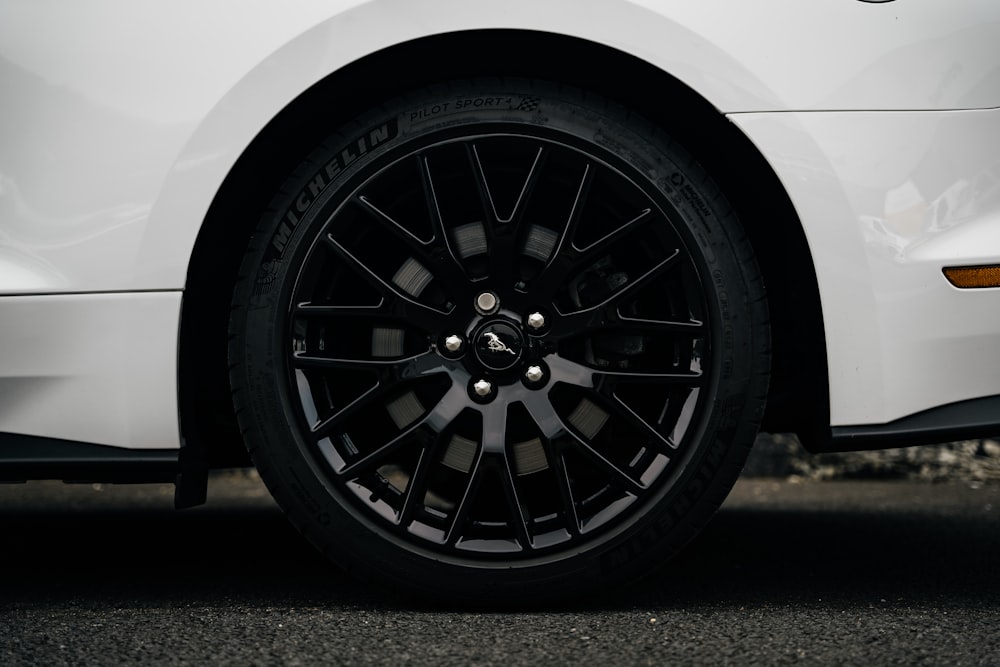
494 343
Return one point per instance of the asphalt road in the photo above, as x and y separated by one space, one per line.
811 573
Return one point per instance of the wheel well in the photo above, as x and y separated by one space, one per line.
798 398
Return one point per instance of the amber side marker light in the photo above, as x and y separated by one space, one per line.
970 277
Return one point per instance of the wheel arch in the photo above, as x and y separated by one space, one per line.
798 400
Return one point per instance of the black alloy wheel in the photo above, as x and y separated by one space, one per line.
499 338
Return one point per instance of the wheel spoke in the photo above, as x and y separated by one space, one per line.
600 376
427 317
417 486
465 504
617 475
385 288
309 309
608 319
372 459
616 377
636 325
389 373
486 195
576 212
391 369
558 465
440 262
445 261
563 261
303 360
601 245
624 412
550 425
568 258
330 424
502 263
413 244
442 413
503 232
517 518
633 285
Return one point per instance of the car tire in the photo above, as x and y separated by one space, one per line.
500 340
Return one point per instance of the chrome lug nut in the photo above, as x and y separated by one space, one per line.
453 343
534 374
482 387
536 320
487 303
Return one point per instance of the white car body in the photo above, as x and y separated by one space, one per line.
121 121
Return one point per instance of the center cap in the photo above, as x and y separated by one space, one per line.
498 345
